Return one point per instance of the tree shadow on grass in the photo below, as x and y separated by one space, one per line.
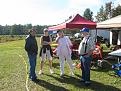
50 86
101 70
95 86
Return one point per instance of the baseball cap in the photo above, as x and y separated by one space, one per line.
85 30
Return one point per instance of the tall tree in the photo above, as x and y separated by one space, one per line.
108 9
101 15
116 11
88 14
104 12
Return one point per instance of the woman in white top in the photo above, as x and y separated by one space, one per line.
64 51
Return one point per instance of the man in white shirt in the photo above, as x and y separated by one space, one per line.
85 50
64 51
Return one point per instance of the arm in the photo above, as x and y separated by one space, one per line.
27 45
57 39
79 49
41 40
50 40
69 41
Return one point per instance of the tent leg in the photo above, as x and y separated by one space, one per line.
96 36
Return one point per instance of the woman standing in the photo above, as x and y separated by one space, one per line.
64 51
45 50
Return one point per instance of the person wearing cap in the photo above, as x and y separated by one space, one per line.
85 50
32 50
64 52
45 50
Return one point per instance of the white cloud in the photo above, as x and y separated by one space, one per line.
42 11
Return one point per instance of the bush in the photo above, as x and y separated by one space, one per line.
6 38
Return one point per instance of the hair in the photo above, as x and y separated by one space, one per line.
45 30
59 31
31 30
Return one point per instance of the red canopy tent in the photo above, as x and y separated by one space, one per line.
75 22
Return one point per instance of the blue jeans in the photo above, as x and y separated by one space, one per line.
85 66
32 62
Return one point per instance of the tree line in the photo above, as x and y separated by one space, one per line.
20 29
105 12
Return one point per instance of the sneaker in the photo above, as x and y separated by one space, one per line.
74 64
40 72
72 74
87 83
82 80
62 74
35 80
51 71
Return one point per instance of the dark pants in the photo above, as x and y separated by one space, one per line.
85 66
32 62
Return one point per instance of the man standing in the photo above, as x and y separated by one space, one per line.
86 48
64 52
32 50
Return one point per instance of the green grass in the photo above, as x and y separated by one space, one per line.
13 74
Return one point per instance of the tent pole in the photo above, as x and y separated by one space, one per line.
96 36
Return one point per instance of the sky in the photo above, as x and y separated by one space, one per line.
45 12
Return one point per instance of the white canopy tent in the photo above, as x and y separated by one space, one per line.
113 23
110 23
116 53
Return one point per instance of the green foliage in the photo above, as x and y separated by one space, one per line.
88 14
107 11
101 15
116 11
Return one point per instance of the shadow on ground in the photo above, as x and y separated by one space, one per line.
95 86
50 86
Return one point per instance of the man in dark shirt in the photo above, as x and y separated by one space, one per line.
32 50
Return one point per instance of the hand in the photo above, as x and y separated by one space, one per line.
49 43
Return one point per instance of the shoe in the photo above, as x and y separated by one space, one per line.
72 74
82 80
51 71
87 83
61 75
40 72
35 80
74 64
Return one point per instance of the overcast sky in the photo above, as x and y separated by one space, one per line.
45 12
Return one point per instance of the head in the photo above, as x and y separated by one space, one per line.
45 32
60 33
32 32
84 32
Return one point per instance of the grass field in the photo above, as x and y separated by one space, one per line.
13 74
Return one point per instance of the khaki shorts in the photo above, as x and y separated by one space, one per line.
46 55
